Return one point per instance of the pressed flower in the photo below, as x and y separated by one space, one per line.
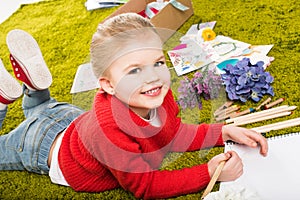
245 81
206 84
187 97
208 34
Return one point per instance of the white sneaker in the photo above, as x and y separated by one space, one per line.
27 60
10 89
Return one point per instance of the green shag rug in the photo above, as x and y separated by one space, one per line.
63 29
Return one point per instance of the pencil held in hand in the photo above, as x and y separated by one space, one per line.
213 179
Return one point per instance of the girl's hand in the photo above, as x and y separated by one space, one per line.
245 136
232 169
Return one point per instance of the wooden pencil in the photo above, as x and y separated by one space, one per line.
265 113
214 179
278 125
258 119
278 101
263 103
224 106
244 112
227 111
262 113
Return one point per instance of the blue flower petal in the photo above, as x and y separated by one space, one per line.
260 64
243 91
243 98
242 80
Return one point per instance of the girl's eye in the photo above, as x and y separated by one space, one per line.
159 63
134 71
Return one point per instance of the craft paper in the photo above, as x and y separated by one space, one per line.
84 79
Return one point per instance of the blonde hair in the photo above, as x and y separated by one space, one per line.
113 36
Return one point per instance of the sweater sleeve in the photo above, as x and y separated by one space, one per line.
197 136
164 184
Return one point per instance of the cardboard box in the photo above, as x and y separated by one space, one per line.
169 17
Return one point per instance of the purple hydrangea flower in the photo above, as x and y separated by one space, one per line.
245 81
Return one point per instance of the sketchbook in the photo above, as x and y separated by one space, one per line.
276 176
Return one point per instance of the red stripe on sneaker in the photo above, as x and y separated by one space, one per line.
20 73
5 101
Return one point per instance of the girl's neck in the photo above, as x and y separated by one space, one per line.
144 113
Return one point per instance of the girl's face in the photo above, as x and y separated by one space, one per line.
140 79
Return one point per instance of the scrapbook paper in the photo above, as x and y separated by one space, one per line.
255 53
193 30
196 27
259 53
223 48
222 65
260 49
188 59
85 79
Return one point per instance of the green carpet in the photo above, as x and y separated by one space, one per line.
63 29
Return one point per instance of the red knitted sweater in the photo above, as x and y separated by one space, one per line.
110 146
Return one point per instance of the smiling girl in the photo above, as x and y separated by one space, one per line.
133 123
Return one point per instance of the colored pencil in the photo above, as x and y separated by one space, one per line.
226 111
258 119
278 101
224 106
278 125
273 113
263 103
244 112
262 113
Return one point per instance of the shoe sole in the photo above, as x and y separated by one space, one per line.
10 89
24 48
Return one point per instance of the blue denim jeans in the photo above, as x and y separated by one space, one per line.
27 146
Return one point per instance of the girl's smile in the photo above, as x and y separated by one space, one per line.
153 92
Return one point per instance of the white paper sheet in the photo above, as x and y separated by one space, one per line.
276 176
85 79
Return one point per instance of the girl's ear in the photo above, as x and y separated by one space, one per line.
106 85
